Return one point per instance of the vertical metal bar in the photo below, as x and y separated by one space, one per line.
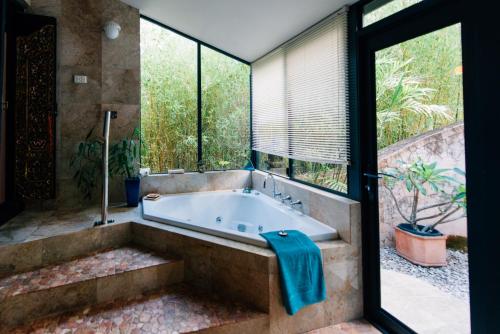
105 163
200 149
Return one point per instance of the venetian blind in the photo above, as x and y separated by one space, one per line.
300 96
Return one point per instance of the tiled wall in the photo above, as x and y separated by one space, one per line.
193 182
250 274
113 71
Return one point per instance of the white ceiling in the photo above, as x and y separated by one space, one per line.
247 29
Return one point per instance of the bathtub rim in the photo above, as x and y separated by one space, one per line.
231 235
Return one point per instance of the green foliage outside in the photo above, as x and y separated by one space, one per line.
225 112
169 104
418 89
168 100
419 86
384 11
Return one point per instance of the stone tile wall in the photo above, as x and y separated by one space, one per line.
113 71
193 182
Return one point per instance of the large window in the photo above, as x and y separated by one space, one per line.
181 108
225 117
300 115
168 99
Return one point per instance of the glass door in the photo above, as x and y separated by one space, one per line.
422 214
415 217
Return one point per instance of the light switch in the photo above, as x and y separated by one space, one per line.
80 79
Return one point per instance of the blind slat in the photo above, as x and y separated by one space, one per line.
300 96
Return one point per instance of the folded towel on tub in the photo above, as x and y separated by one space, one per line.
300 268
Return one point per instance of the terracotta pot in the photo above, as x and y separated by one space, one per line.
427 251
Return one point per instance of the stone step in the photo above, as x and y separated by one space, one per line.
175 309
98 277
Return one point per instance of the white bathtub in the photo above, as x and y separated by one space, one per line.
233 215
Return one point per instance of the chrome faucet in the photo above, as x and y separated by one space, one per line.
270 176
296 203
108 115
286 198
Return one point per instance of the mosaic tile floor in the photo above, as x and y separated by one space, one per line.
100 264
177 309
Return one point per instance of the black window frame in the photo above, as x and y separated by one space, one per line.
200 162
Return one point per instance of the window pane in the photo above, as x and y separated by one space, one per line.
168 99
225 111
272 163
325 175
380 9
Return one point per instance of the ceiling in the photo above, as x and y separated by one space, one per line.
247 29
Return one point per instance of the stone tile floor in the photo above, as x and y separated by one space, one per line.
37 224
144 314
99 264
422 306
177 309
352 327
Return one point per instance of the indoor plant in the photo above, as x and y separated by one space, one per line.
123 160
417 239
123 157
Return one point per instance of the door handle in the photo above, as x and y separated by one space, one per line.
373 176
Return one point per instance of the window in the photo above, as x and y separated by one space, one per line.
300 105
328 176
226 111
168 99
171 129
380 9
273 163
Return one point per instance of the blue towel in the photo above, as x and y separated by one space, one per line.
300 267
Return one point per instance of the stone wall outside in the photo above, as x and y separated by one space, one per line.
446 147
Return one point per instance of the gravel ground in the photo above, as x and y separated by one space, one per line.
453 278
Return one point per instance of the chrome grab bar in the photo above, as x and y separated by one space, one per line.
108 115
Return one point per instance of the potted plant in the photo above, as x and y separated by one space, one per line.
87 162
123 157
123 161
418 239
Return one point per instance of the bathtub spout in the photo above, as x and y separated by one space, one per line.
270 176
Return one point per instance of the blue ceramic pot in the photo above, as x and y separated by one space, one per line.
132 188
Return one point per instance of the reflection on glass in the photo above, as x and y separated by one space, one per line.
272 163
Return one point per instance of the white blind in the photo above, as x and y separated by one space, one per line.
300 96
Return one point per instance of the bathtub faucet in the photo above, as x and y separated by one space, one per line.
270 176
296 203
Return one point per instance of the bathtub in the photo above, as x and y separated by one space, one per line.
233 215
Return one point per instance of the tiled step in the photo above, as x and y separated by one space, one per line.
96 278
176 309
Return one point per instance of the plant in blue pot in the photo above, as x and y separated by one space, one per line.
124 161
